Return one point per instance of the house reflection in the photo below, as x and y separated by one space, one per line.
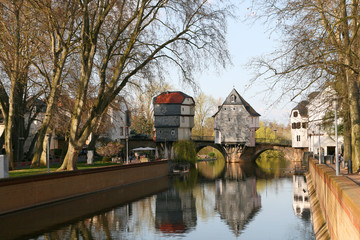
175 212
237 201
301 204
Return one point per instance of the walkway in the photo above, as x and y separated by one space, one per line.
355 177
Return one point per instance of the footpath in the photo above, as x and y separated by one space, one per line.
355 176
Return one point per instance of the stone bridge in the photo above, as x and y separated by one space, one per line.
248 154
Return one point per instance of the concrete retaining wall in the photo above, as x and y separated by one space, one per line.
31 222
24 192
339 200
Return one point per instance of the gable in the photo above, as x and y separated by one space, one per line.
234 98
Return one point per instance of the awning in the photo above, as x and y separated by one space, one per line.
144 149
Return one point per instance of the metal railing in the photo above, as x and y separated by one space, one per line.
277 141
202 138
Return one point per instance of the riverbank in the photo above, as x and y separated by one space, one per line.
336 200
25 192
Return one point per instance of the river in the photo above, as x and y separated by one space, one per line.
214 201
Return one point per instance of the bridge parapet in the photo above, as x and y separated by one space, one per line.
202 138
276 141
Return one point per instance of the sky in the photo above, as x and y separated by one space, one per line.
246 41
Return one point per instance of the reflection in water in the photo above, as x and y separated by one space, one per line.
175 211
272 163
301 204
211 169
237 202
195 207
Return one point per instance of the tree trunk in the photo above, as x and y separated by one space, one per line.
70 160
92 144
347 132
43 159
354 107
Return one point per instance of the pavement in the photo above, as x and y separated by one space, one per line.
355 177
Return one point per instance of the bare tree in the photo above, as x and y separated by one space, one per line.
320 47
57 20
17 47
124 40
205 107
142 112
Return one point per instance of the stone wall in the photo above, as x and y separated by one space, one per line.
24 192
338 199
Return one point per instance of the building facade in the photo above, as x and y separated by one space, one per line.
236 121
312 123
174 116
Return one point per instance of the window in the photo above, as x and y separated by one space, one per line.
182 119
304 125
122 131
293 125
224 108
229 120
298 138
233 98
295 114
173 132
298 125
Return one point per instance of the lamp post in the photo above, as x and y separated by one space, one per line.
127 143
48 152
337 165
313 147
320 145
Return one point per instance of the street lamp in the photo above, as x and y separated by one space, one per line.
313 147
320 145
337 165
48 152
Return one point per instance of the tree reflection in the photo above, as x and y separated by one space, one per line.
211 169
272 163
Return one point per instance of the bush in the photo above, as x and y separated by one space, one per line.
110 150
185 151
106 159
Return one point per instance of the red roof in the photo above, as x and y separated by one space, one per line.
172 228
171 97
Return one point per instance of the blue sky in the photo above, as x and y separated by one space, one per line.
246 41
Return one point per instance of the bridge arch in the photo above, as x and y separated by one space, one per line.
201 144
291 154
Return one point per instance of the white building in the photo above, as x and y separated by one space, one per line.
312 126
118 115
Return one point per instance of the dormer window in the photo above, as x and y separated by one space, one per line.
233 98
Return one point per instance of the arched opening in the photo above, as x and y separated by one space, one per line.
211 162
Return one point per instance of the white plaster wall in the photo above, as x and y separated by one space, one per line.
302 132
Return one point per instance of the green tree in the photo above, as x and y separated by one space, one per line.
185 151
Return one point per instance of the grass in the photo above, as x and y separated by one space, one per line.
54 167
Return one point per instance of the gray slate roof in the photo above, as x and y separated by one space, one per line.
239 101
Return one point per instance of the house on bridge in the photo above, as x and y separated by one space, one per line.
235 124
174 118
312 123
